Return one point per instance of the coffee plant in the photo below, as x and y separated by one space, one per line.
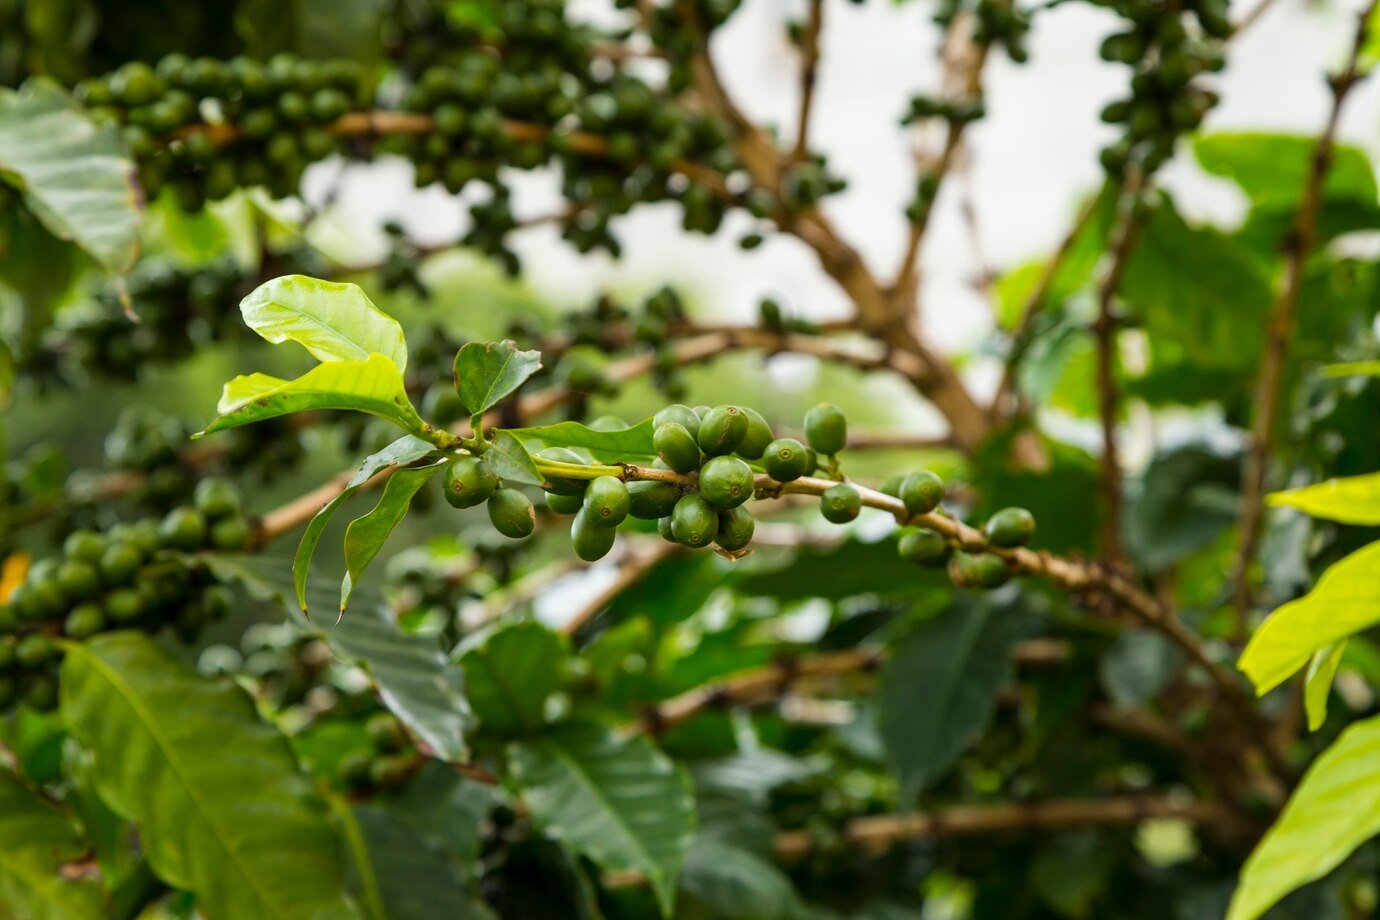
628 628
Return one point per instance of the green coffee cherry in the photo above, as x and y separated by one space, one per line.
119 563
826 429
385 733
86 545
124 605
564 504
921 492
663 527
592 539
606 501
759 435
722 429
564 486
694 522
78 580
388 772
924 547
184 529
34 651
676 447
39 600
468 482
1010 527
735 528
681 415
512 514
651 500
785 459
230 533
840 503
84 621
216 498
41 693
891 485
726 482
978 571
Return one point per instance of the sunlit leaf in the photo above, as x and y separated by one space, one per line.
334 321
1318 682
485 372
1352 500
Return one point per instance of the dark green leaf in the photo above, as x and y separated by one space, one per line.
511 461
39 840
1137 667
737 884
510 670
413 879
485 372
1187 498
366 535
190 760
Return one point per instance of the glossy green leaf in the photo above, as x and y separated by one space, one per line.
485 372
366 535
1345 601
939 688
334 321
373 386
412 879
415 681
511 460
1334 809
401 452
619 801
633 443
510 671
223 809
73 173
1318 682
39 839
1352 500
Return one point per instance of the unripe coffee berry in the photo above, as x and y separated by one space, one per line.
467 482
726 482
840 503
722 429
924 547
681 415
922 491
590 538
694 522
1010 527
786 459
759 435
651 500
512 514
735 528
676 447
826 428
606 501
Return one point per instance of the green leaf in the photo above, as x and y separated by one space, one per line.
1188 497
413 880
1335 809
1137 668
39 839
1318 682
1272 169
222 807
373 385
334 321
366 535
619 444
939 688
619 801
1345 601
485 372
510 670
1352 500
415 681
401 452
1352 369
72 172
737 884
511 461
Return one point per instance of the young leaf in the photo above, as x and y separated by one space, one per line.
39 840
485 372
366 535
401 452
1335 809
940 688
373 385
1351 500
511 461
415 681
510 670
1318 682
619 444
223 809
1345 601
72 172
621 802
334 321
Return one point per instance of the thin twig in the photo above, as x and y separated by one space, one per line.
809 72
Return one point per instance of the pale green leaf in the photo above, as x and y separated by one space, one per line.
1345 601
366 535
373 385
335 321
619 444
1272 168
1352 500
414 679
619 801
401 452
510 671
1335 809
511 461
485 372
73 173
246 388
1318 682
222 807
38 839
1352 369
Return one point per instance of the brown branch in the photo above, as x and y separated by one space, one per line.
875 833
1104 328
809 72
1298 244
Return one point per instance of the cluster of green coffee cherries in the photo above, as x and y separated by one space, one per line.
388 761
133 576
